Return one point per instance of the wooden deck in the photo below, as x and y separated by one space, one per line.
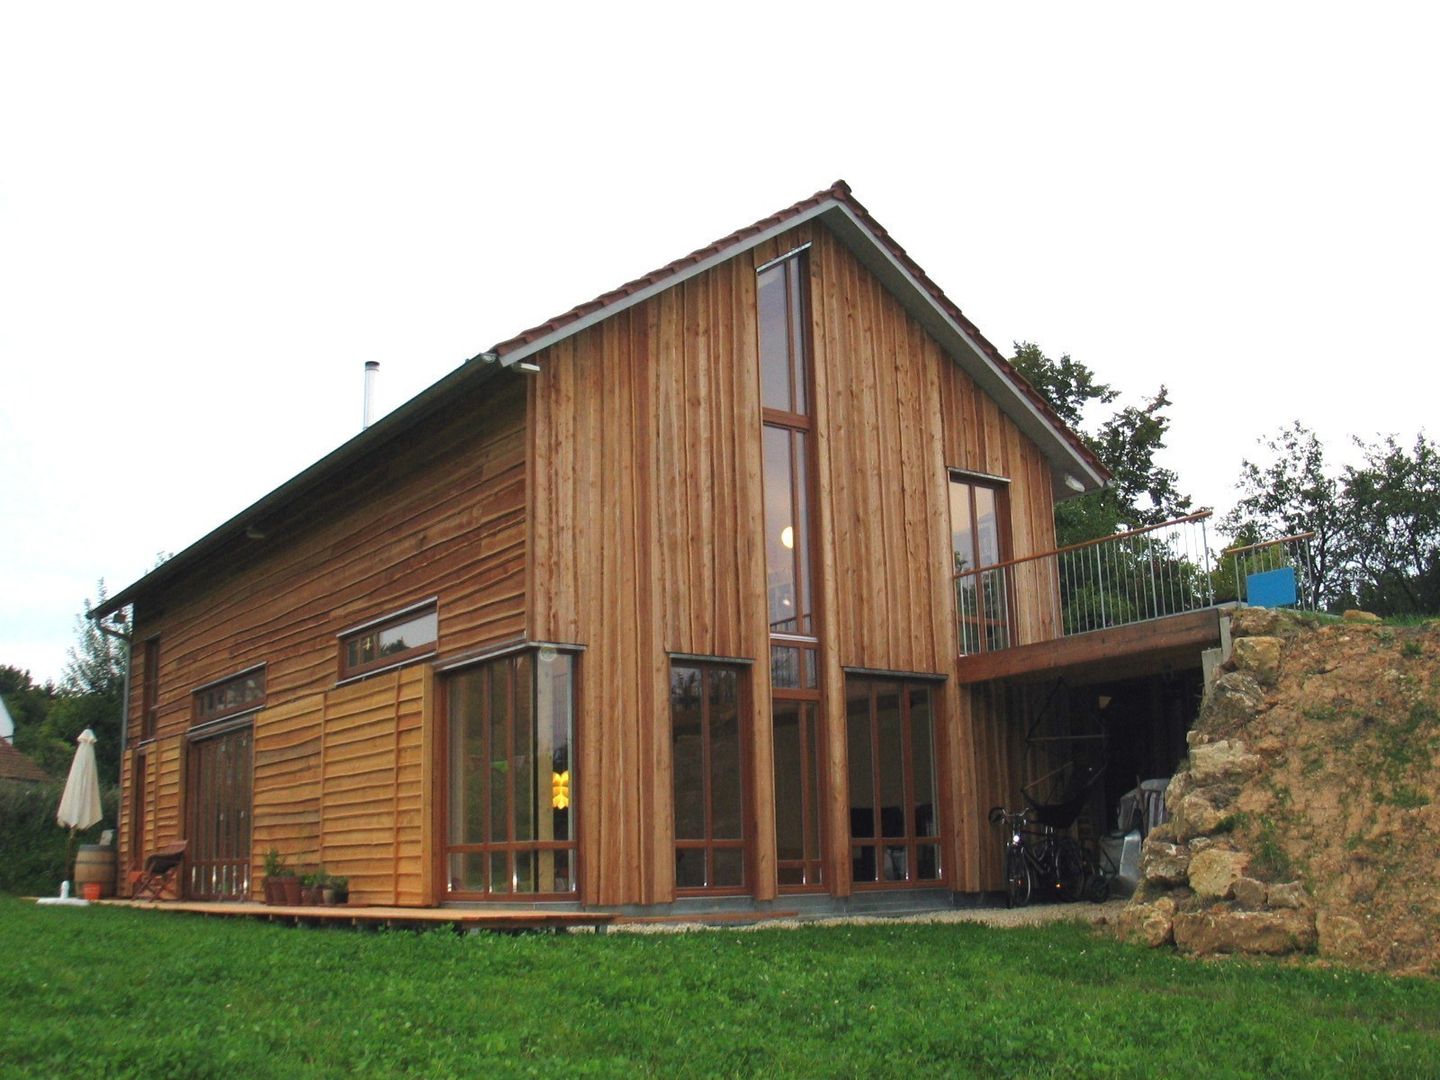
1136 649
476 918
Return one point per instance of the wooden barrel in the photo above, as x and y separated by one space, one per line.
97 864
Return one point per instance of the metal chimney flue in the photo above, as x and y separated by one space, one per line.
371 367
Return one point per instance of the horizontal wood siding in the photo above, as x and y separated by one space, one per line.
440 515
341 782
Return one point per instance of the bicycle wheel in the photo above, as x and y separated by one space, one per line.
1017 879
1069 870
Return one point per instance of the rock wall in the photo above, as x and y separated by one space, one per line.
1307 816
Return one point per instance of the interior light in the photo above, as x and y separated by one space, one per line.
787 536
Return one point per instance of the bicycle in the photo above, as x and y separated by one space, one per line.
1037 857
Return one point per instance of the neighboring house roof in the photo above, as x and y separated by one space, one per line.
16 766
839 210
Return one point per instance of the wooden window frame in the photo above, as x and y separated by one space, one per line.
506 659
374 628
982 621
709 844
150 690
202 717
813 781
910 841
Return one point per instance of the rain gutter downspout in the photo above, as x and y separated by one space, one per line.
124 693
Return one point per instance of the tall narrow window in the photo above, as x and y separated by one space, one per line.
786 394
707 752
979 541
894 824
150 689
511 783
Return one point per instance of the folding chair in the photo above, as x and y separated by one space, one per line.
162 869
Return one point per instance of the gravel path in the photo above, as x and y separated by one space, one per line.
1034 915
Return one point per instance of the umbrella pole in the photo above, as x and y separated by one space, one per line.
69 856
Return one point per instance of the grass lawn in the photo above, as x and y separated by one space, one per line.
98 992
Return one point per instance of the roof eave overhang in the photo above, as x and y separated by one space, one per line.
390 426
876 256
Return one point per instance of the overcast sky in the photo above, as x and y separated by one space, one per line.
209 221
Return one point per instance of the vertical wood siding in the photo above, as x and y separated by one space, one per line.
646 538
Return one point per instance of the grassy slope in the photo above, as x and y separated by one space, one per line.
115 992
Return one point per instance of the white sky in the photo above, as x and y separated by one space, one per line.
210 220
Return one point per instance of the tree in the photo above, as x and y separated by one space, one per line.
1391 507
48 719
1292 492
1141 491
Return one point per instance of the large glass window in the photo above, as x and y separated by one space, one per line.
785 391
894 798
511 779
708 756
797 793
979 541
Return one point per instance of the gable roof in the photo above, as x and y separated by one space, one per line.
16 766
838 208
839 211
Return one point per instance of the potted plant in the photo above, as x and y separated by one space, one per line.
310 889
341 887
281 884
327 889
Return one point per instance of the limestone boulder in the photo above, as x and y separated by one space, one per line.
1290 895
1214 871
1254 622
1249 893
1235 698
1259 657
1164 864
1148 923
1224 930
1196 815
1219 762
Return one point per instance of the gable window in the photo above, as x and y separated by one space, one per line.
231 696
511 781
980 541
708 759
389 641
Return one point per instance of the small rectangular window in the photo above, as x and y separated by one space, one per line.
389 641
229 697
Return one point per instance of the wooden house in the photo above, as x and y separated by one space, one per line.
652 606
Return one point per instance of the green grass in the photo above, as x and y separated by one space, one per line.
112 992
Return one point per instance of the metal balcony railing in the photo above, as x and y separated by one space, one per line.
1282 569
1142 574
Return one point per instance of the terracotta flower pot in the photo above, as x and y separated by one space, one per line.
290 891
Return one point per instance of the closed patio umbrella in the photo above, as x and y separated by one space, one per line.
80 804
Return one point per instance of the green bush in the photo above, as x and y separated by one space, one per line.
32 846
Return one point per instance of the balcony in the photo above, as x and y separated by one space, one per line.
1155 591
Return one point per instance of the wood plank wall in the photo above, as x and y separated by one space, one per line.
341 782
645 466
443 515
646 527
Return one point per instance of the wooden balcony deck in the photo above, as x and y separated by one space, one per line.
476 918
1139 648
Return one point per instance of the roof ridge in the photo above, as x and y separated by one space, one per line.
840 192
